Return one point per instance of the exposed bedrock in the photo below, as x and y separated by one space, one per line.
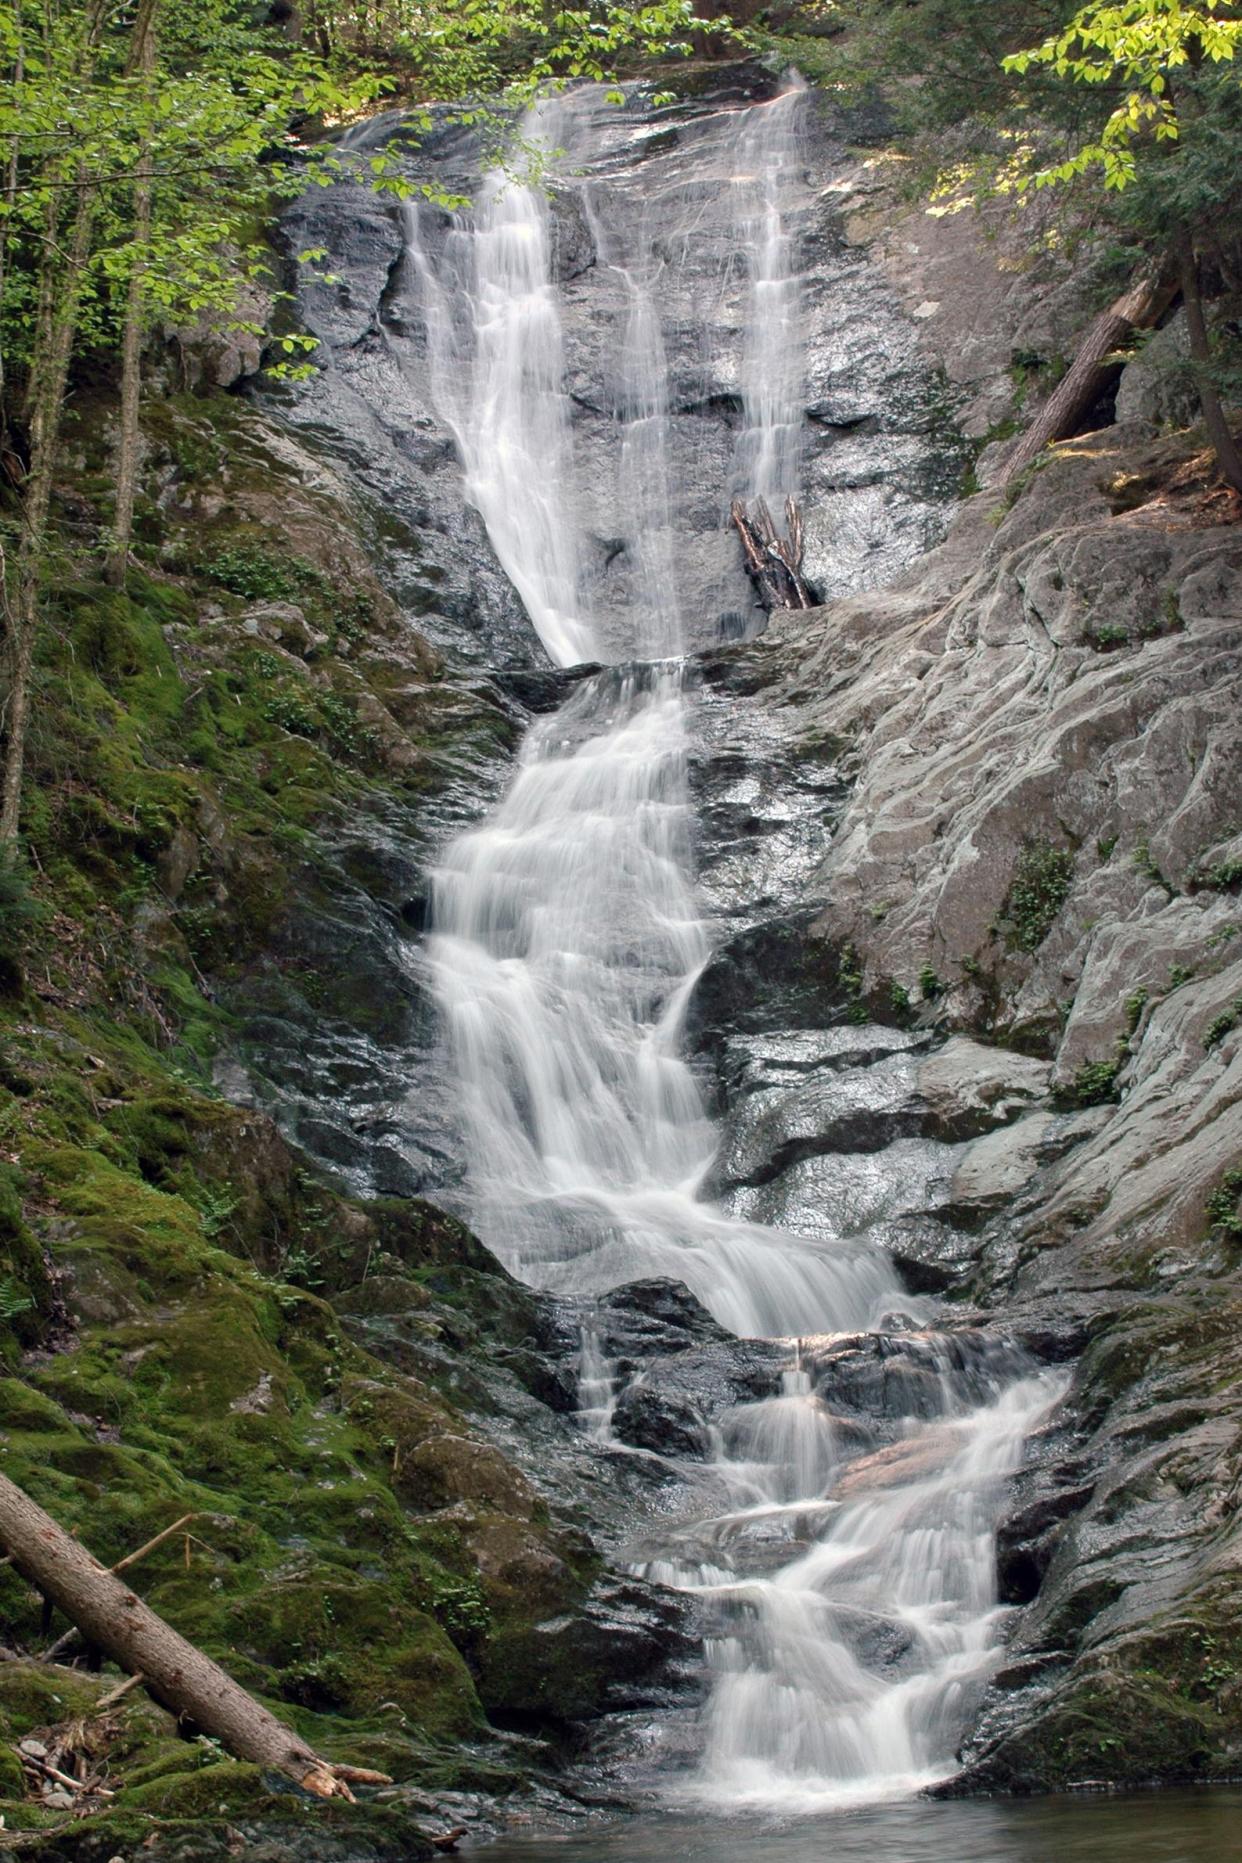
882 455
1027 801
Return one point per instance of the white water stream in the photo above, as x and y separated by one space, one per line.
854 1597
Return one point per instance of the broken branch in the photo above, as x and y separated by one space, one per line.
773 562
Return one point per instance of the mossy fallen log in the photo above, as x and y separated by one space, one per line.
180 1677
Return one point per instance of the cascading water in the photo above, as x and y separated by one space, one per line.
768 454
566 945
494 342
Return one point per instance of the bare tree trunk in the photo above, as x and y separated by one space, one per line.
1137 309
60 289
10 206
1225 446
178 1675
49 370
142 61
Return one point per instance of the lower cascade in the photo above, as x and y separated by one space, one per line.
843 1565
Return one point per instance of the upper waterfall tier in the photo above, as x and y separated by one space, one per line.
677 278
486 293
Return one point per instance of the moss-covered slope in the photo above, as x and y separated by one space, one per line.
169 1340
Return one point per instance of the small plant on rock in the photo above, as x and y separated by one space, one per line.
1223 1024
1224 1207
1039 889
1095 1083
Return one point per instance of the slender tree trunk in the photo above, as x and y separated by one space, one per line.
1137 309
57 324
10 205
143 61
1228 453
188 1683
59 295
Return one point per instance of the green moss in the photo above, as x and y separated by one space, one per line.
850 977
25 1291
1163 1710
354 1550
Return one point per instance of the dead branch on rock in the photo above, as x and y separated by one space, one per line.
179 1676
773 562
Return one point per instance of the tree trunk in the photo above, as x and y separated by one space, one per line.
181 1677
1137 309
1224 445
49 370
10 209
142 60
60 289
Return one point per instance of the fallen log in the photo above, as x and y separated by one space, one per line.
179 1676
71 1635
1140 307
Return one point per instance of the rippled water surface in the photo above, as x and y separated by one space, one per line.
1172 1827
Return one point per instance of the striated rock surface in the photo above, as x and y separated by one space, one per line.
1039 728
971 839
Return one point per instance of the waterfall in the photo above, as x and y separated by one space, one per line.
768 454
854 1600
497 367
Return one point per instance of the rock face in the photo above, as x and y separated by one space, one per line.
882 456
1040 730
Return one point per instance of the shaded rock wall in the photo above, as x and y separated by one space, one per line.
639 186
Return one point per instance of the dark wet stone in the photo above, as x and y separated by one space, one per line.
665 1422
669 1305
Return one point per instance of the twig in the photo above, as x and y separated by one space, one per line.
62 1643
63 1778
123 1565
117 1694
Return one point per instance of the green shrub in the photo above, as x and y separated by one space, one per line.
1095 1083
1039 889
1224 1207
249 570
1223 1024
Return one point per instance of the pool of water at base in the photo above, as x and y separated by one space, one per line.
1157 1827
